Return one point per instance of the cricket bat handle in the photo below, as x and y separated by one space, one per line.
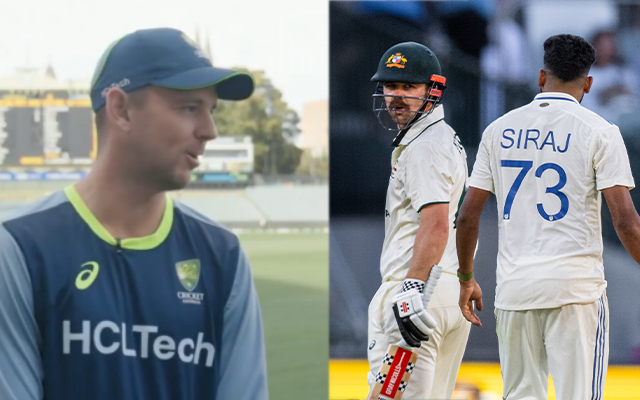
434 276
404 345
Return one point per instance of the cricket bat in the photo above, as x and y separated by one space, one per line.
398 364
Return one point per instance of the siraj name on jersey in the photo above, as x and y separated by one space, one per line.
530 138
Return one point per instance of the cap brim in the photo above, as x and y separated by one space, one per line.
230 84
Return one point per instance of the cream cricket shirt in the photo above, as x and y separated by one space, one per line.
429 166
546 163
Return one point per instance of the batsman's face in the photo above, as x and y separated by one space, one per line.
171 130
400 108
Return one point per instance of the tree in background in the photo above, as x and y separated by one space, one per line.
313 166
265 117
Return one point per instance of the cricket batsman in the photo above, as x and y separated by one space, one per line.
427 183
109 289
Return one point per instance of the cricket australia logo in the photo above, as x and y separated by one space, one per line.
189 275
396 60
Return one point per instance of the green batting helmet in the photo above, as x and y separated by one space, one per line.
409 62
412 63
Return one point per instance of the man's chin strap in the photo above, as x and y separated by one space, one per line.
403 132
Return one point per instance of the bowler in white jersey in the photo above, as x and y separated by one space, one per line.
428 179
546 163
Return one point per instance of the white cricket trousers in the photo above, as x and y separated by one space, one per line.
434 376
571 342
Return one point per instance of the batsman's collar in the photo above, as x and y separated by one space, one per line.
422 124
167 58
556 96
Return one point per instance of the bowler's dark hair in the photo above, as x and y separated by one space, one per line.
568 57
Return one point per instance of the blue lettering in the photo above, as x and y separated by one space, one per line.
508 140
504 135
534 140
546 142
519 137
566 145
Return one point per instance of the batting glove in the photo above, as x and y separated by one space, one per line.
414 322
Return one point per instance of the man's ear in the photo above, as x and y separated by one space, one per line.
117 108
587 84
542 78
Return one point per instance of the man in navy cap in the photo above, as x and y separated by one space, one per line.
111 290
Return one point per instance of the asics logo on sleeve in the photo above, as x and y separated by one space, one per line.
108 337
86 277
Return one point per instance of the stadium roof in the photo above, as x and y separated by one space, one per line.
32 79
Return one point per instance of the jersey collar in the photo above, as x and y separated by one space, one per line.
556 96
422 124
139 243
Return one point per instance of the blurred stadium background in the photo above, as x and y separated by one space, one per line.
265 178
490 51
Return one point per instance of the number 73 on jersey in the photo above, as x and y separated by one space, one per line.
525 167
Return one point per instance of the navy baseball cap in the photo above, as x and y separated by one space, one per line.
167 58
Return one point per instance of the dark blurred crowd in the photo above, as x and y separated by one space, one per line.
616 87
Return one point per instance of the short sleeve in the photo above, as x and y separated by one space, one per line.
428 174
481 176
610 159
20 365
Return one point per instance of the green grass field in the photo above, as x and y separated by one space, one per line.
291 273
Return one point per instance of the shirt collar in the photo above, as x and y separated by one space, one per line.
140 243
556 96
423 122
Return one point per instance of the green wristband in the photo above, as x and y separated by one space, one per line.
465 277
